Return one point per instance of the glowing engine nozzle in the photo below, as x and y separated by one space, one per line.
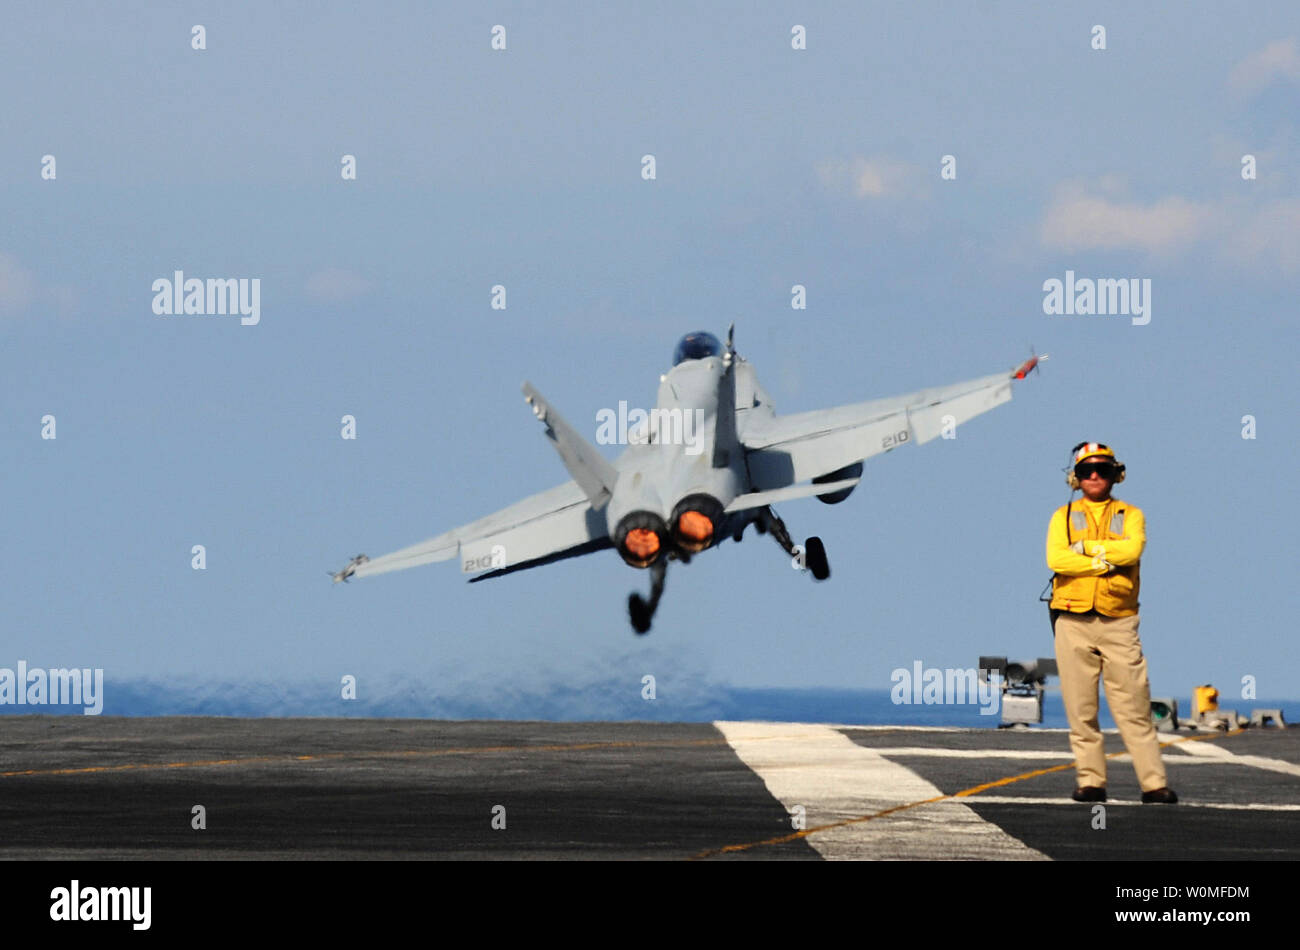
640 538
694 526
696 522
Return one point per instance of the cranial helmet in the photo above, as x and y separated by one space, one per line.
1088 450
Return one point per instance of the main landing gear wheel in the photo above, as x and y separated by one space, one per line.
640 610
815 553
640 613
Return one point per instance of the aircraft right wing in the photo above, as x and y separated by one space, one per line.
541 528
785 450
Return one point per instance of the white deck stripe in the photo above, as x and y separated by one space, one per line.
1228 806
1213 752
1272 765
836 779
1016 731
1209 750
973 753
1029 754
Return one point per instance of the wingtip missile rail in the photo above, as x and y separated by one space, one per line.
1024 369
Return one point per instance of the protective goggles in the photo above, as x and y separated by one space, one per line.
1086 469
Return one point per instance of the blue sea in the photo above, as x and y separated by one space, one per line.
590 701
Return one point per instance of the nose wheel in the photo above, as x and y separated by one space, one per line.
640 610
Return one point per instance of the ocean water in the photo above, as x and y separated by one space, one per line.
589 701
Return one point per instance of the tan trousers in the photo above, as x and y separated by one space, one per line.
1089 645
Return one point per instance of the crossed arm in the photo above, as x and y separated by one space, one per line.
1094 558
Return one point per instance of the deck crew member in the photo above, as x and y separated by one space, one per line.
1094 546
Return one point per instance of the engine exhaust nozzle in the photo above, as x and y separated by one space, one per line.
640 538
696 522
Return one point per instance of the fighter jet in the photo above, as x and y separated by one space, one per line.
710 459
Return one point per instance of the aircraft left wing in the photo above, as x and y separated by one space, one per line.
541 528
784 450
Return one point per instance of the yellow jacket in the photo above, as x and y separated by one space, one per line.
1105 577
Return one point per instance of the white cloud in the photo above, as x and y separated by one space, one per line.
336 285
17 286
869 178
1253 235
1079 220
1277 60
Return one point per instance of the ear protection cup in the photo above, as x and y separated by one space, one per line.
1070 478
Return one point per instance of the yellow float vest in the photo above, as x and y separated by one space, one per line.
1114 594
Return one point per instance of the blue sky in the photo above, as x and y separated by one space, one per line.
522 167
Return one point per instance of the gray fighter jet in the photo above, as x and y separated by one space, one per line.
712 458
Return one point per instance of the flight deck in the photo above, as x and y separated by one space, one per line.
75 787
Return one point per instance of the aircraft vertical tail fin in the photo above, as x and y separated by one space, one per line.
591 470
724 433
